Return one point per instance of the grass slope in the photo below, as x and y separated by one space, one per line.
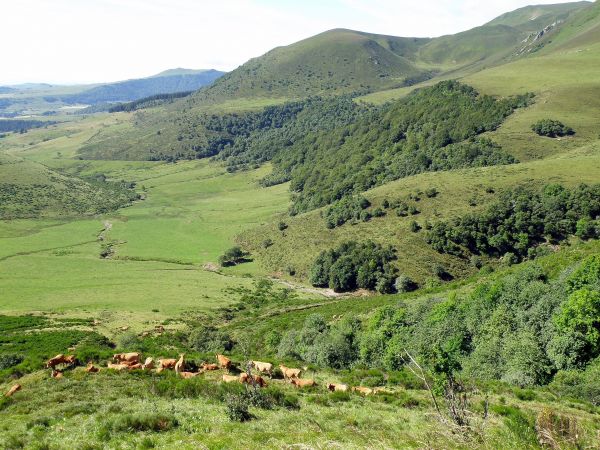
336 61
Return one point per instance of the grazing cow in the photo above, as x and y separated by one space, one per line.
70 359
303 383
56 374
252 379
362 390
333 387
207 366
12 390
188 375
148 364
166 364
224 362
263 367
180 364
136 366
382 390
119 366
91 368
127 358
289 373
230 378
53 362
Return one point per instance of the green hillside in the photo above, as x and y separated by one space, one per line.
416 219
336 61
29 189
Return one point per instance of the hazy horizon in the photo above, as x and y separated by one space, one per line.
67 42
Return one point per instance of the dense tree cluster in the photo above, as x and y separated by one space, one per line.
552 128
349 208
520 220
22 125
436 128
254 138
148 102
522 328
355 265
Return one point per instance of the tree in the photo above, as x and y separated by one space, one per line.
551 128
235 255
581 314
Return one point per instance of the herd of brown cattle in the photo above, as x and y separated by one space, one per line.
132 361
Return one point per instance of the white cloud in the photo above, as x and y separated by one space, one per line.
102 40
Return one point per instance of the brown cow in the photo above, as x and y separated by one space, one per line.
207 366
119 366
56 374
91 368
333 387
230 378
188 375
289 373
12 390
180 364
382 390
53 362
252 379
127 358
303 383
136 366
148 364
168 363
362 390
224 362
263 367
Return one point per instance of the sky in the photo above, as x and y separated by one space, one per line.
89 41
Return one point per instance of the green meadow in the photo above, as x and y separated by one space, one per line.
190 214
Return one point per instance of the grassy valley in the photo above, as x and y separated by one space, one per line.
381 213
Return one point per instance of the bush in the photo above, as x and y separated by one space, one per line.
404 284
237 408
157 422
8 361
205 339
235 255
551 128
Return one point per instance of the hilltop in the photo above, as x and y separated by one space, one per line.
341 60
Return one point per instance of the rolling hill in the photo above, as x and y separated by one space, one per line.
342 60
492 342
176 80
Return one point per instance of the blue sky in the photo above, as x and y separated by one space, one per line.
83 41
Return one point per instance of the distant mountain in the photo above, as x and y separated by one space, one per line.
6 90
176 80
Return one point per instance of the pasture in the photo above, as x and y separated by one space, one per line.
159 246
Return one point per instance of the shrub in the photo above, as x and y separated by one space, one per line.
206 339
551 128
10 360
404 284
235 255
153 422
431 192
414 226
237 408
